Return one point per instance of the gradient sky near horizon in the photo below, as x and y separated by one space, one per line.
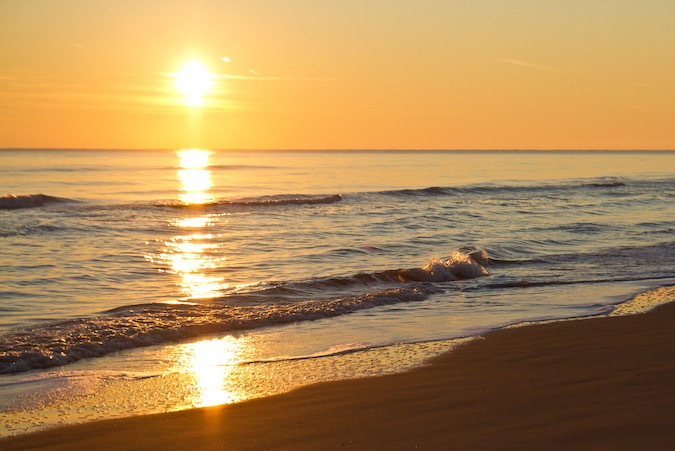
349 74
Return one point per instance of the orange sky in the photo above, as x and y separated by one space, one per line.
310 74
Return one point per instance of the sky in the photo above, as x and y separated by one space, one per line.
311 74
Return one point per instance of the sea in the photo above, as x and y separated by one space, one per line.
144 281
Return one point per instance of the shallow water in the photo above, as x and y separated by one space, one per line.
293 263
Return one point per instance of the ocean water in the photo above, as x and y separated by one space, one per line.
145 281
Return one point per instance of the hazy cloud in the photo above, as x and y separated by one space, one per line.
524 64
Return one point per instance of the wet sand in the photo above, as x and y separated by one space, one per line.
601 383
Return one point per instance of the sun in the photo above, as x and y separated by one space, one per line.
194 81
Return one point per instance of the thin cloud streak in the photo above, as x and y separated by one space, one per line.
522 63
257 77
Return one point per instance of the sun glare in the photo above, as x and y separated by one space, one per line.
194 81
211 362
194 175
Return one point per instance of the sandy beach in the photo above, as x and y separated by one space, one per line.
314 225
599 383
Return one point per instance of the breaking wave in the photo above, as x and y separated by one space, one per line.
459 266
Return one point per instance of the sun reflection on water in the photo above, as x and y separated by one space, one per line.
190 256
210 362
194 176
196 183
194 253
195 222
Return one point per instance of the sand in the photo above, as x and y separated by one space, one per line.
601 383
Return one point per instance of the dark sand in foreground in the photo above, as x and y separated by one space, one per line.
603 383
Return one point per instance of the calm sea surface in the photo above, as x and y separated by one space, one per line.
202 277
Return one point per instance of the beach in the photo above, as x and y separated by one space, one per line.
404 225
597 383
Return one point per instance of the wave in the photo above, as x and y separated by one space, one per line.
606 265
462 265
608 184
137 326
549 283
134 326
629 257
604 186
431 191
459 266
17 201
602 183
264 201
25 230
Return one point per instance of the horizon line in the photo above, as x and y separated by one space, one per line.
355 150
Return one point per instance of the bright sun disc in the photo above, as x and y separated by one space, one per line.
194 81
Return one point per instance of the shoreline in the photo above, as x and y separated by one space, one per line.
601 382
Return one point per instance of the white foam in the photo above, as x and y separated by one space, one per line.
464 266
646 301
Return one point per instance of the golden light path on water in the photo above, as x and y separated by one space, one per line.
193 255
194 176
209 372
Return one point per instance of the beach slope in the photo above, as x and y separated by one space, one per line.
601 383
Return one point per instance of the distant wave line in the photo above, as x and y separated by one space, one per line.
261 202
17 201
